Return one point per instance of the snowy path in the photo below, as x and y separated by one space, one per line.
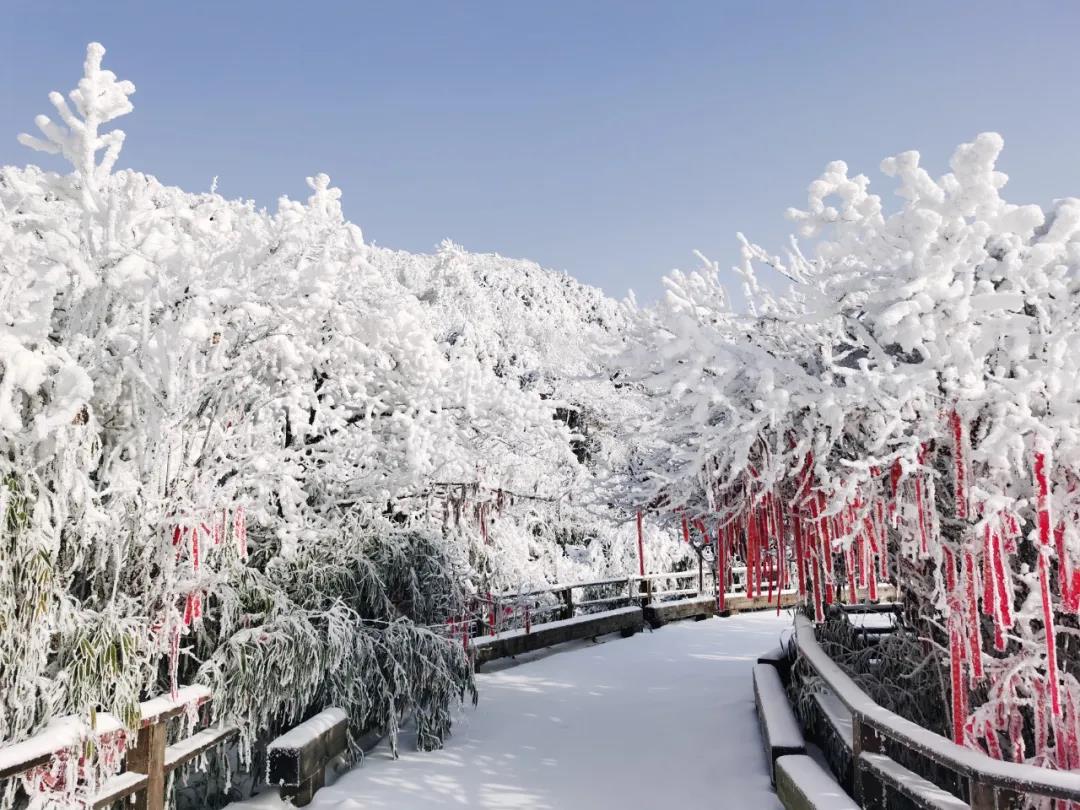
664 719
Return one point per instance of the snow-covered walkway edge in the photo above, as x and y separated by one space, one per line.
664 719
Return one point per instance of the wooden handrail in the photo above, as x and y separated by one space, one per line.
559 587
147 763
983 771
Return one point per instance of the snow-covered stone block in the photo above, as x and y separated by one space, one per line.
781 658
297 760
779 729
802 784
696 607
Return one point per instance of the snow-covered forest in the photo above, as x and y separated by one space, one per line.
245 449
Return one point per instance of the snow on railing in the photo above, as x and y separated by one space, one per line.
58 764
490 614
494 613
992 783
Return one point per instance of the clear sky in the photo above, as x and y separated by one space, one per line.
607 139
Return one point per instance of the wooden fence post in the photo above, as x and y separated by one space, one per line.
645 591
568 603
986 797
148 756
869 792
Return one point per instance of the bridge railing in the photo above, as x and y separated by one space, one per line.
509 610
66 758
520 609
991 784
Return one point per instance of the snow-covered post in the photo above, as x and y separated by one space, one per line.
868 788
148 756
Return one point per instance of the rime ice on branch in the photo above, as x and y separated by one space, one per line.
98 100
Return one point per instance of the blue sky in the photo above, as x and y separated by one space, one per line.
607 139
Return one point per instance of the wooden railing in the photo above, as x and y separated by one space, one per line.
991 784
514 609
146 765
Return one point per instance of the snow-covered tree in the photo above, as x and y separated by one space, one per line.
241 448
907 409
98 100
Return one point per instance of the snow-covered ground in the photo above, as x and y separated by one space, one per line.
664 719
